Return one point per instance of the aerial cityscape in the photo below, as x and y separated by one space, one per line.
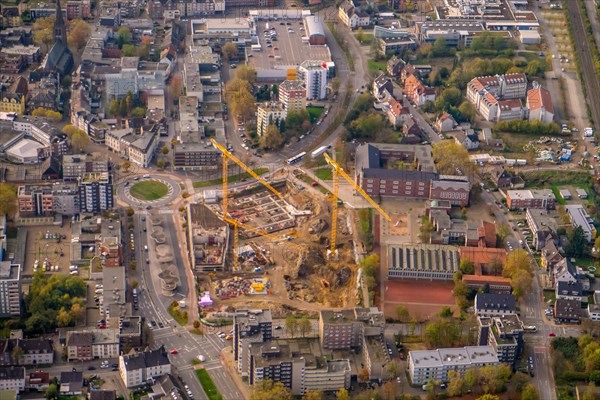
299 199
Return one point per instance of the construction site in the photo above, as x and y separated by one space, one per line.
290 245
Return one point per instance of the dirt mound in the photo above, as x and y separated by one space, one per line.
310 263
318 225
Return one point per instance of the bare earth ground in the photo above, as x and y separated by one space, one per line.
423 298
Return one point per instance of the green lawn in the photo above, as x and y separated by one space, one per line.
315 113
377 65
208 385
231 179
149 190
323 173
367 38
549 295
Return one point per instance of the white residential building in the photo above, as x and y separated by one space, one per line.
10 289
580 217
314 75
353 17
267 114
12 378
539 103
139 149
426 365
493 96
142 368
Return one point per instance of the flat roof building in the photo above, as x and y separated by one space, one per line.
207 237
426 365
580 218
10 289
422 261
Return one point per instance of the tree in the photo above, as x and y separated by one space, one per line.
492 378
304 326
470 379
488 396
272 139
160 163
450 96
123 36
176 86
431 388
266 389
63 318
165 150
242 103
335 84
196 324
79 33
394 369
364 375
70 129
446 312
503 231
229 51
425 231
342 394
442 333
530 393
43 34
16 354
52 392
516 260
388 390
138 112
467 267
360 35
114 107
312 395
53 116
246 73
130 211
576 243
291 325
451 158
8 199
467 112
521 282
80 140
455 384
402 313
77 312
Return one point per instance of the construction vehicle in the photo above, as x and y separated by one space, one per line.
337 171
228 156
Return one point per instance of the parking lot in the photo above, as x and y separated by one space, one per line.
287 50
47 243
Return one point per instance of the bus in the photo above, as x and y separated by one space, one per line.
296 158
319 151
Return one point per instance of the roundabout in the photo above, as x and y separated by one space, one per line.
155 192
149 190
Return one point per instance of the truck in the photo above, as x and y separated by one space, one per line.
521 162
319 151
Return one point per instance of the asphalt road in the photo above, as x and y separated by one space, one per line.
586 63
153 307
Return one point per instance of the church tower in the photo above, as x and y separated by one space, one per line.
60 29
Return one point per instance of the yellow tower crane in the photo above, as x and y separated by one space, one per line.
227 155
236 244
337 172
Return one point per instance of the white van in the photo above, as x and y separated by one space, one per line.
146 247
73 268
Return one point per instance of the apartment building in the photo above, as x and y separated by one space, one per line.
142 368
139 149
292 94
92 344
35 200
12 102
538 198
66 198
286 362
539 104
12 379
80 9
75 166
567 311
34 352
10 289
345 329
190 153
542 227
96 192
314 75
250 327
495 97
417 92
579 217
353 17
422 261
426 365
270 113
495 305
504 334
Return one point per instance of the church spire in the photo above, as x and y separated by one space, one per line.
60 30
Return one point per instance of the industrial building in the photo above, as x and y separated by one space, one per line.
313 26
422 261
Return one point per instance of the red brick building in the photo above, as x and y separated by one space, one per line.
36 200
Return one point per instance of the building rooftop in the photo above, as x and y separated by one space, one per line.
424 257
494 301
8 270
531 194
